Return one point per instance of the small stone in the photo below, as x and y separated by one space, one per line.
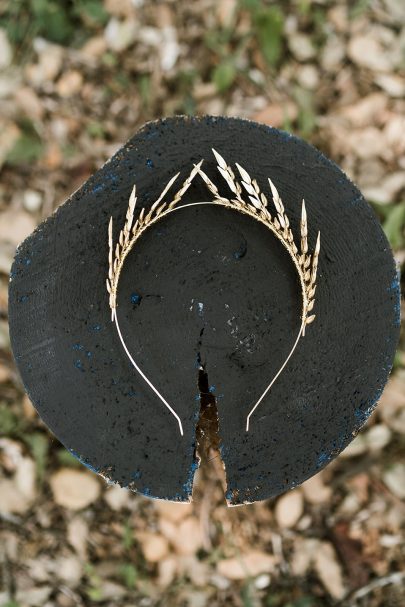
368 110
303 555
333 53
392 84
6 53
188 538
77 535
110 591
387 188
117 497
392 405
308 77
25 478
226 12
15 226
301 47
367 52
169 48
32 201
48 67
194 569
315 491
167 569
12 501
358 446
123 8
29 102
94 48
68 569
394 478
74 489
250 564
119 35
289 508
69 83
154 547
28 408
262 581
174 512
367 143
277 114
33 596
378 437
219 581
329 570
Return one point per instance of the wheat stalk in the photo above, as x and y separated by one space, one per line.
255 206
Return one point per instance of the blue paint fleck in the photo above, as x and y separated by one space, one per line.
84 462
23 298
98 188
212 389
136 299
78 347
322 459
95 328
136 475
149 163
79 364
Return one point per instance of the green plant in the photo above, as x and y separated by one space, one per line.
392 217
61 21
28 147
93 588
39 446
394 225
268 24
129 575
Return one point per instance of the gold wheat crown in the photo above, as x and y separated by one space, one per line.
256 206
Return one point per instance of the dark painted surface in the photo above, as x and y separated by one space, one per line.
210 283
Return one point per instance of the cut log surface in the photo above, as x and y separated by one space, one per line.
206 286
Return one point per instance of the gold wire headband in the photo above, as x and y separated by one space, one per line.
256 207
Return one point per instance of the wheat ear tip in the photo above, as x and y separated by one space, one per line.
219 159
318 243
303 212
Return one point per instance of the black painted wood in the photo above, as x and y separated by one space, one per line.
211 285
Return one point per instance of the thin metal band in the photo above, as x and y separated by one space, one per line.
137 368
